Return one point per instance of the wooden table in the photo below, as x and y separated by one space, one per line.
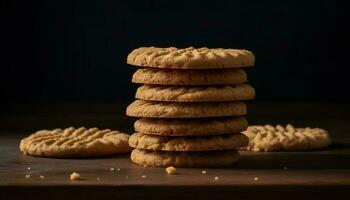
320 174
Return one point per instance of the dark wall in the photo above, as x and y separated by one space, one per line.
68 51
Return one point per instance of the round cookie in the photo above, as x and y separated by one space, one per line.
279 138
191 127
149 158
189 77
195 143
190 58
195 93
142 108
73 143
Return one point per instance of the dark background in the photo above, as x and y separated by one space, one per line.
75 51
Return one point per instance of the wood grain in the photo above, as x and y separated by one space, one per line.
320 174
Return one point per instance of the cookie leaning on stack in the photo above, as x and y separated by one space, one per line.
190 106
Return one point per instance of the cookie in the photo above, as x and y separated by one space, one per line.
279 138
72 142
189 77
195 143
190 58
195 93
151 158
191 127
142 108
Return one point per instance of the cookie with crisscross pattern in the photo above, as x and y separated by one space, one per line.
75 142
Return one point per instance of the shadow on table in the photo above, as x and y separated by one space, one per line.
334 157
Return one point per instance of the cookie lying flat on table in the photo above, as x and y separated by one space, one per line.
279 138
73 143
151 158
142 108
195 93
190 58
191 127
195 143
189 77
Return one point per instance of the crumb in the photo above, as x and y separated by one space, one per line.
75 176
256 178
285 168
42 177
170 170
118 169
112 169
216 178
143 176
28 176
28 168
126 177
98 179
144 166
204 172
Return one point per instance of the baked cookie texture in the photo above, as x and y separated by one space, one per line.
75 142
190 105
142 108
288 138
195 93
189 77
196 143
184 159
190 58
191 127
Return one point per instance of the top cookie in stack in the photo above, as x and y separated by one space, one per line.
190 106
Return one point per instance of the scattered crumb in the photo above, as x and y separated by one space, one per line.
28 176
143 176
112 169
42 177
256 178
118 169
170 170
126 177
28 168
285 168
216 178
98 179
204 172
144 166
75 176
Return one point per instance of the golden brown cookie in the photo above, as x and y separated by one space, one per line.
189 77
151 158
190 58
279 138
191 127
142 108
195 143
72 142
195 93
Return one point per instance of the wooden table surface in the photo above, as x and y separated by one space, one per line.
323 174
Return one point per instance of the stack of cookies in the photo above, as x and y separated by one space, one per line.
190 106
